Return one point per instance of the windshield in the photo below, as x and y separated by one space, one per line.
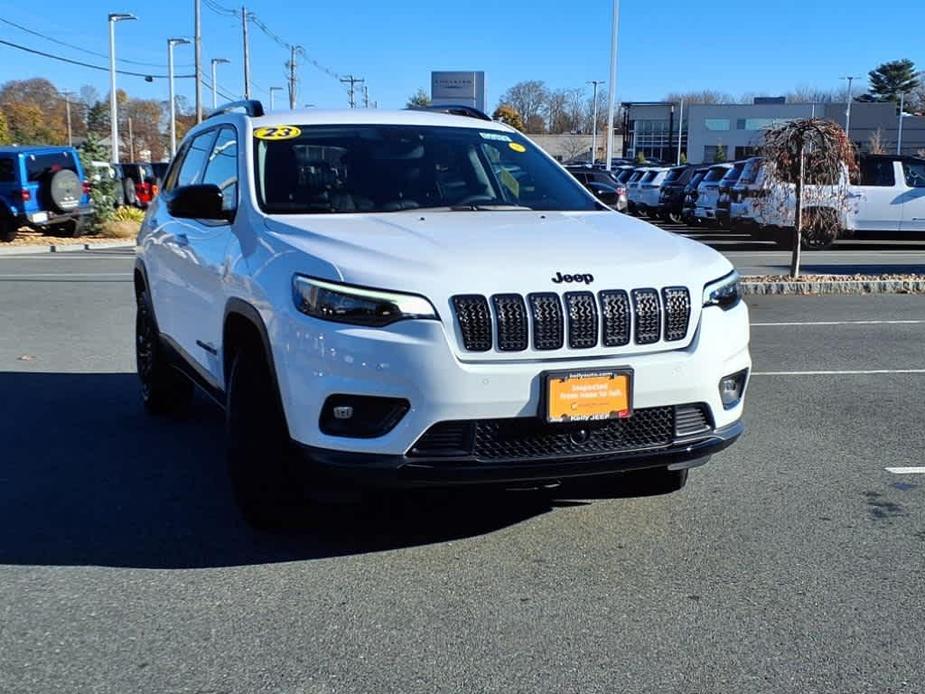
750 172
714 175
388 168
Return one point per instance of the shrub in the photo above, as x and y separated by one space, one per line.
127 214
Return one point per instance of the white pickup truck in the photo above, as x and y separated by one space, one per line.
890 197
888 200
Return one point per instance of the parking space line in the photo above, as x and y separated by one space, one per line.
864 372
838 322
906 470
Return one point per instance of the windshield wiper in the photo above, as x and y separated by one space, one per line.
490 207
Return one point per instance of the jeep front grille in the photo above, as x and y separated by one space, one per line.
532 438
580 320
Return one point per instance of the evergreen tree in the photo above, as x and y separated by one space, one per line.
891 79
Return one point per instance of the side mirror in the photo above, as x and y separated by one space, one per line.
202 201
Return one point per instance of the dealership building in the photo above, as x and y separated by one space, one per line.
705 130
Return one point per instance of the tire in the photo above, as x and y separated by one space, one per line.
65 190
822 228
163 389
260 454
70 229
8 229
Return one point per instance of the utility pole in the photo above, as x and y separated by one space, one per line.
292 82
594 120
113 101
365 96
247 54
216 62
902 106
615 31
67 108
851 79
197 40
172 95
351 91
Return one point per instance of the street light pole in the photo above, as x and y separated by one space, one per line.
273 91
170 88
899 140
197 56
113 102
850 79
216 61
615 31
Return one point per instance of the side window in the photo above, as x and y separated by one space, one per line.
7 170
915 173
195 160
877 172
222 167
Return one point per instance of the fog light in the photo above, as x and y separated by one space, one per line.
361 416
731 388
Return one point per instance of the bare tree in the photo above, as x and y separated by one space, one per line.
705 96
813 95
528 98
809 162
875 142
561 116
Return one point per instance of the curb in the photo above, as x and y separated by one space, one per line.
64 248
916 286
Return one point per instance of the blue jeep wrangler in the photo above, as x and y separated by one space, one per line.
42 187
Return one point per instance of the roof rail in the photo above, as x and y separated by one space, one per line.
252 107
453 109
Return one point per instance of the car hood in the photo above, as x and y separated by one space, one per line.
439 254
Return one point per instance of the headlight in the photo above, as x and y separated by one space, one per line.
343 303
723 292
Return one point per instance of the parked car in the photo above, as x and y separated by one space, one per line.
690 195
671 195
44 188
632 188
138 183
603 184
746 196
649 190
363 323
708 194
726 185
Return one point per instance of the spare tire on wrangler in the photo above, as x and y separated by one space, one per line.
65 189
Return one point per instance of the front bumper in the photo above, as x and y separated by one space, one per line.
414 361
406 471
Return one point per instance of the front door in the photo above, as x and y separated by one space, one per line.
876 204
913 200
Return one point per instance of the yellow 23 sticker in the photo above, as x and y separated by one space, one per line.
279 132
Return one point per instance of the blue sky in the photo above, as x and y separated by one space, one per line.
670 45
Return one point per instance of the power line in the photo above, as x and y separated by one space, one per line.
88 65
78 48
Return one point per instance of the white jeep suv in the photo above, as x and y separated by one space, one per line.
417 298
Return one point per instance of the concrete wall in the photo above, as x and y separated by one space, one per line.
569 146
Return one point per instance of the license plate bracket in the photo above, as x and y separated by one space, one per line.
588 395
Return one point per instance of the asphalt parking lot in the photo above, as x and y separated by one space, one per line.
794 562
